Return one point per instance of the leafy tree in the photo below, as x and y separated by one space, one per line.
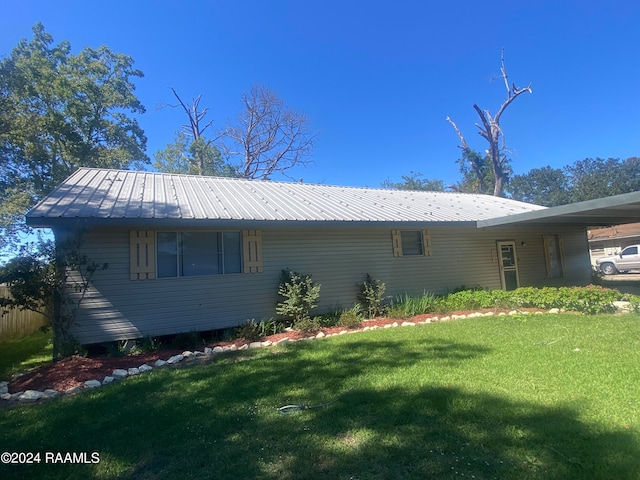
596 177
51 280
192 152
491 131
414 182
193 157
543 186
60 111
269 137
477 173
585 179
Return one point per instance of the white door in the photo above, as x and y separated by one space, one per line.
508 263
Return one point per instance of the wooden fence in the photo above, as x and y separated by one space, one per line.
18 323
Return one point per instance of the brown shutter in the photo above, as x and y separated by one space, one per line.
397 243
426 242
547 259
142 264
561 252
252 251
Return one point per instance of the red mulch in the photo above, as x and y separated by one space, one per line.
74 371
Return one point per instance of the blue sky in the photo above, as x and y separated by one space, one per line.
378 79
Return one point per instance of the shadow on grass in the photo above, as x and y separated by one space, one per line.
23 354
221 421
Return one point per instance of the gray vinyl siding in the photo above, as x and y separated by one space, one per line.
337 257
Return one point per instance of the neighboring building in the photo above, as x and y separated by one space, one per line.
188 253
604 242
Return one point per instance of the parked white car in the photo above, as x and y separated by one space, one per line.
627 259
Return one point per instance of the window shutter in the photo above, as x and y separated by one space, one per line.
426 242
252 251
397 243
142 264
547 258
564 266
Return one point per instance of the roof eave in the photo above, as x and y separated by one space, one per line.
64 222
615 210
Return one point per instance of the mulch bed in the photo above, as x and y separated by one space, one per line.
74 371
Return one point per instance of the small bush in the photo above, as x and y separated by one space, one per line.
634 303
270 327
350 318
371 296
332 317
149 344
405 306
72 347
299 295
591 300
307 324
468 300
249 330
115 349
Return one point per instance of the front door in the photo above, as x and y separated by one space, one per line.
508 265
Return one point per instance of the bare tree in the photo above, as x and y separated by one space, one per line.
192 152
269 137
491 131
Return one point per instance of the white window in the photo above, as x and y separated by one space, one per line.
411 243
408 243
185 254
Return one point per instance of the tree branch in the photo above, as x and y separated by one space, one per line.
463 143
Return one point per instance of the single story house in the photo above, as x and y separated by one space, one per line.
607 241
189 253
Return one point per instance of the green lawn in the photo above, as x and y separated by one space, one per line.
522 397
22 354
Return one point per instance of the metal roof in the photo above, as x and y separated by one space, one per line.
118 195
614 210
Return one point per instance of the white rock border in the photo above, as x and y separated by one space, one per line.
32 396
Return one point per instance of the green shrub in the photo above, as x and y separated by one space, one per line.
249 330
350 318
589 300
115 349
502 299
299 295
531 297
405 306
270 327
371 296
468 300
149 344
332 317
592 299
72 347
252 330
307 324
634 303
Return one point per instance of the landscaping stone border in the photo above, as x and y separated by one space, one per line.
31 396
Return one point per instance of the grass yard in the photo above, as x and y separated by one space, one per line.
22 354
521 397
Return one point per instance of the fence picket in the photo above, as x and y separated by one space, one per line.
18 323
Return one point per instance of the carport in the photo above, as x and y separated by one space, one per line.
601 212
